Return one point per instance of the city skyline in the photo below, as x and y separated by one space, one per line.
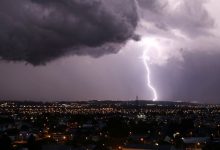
73 50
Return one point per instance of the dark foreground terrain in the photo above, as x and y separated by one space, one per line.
103 125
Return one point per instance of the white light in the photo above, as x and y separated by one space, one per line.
149 43
145 60
174 4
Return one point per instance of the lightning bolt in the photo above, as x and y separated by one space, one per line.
151 87
145 61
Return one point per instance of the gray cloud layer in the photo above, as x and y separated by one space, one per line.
191 30
185 31
38 31
196 80
190 17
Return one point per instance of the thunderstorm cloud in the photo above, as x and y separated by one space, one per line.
184 65
187 66
38 31
190 17
179 26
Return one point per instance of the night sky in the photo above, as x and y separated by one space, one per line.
92 49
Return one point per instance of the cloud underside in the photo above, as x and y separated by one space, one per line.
38 31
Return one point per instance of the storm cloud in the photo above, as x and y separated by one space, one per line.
189 17
38 31
183 58
178 26
185 65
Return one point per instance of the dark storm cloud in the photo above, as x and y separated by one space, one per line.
38 31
